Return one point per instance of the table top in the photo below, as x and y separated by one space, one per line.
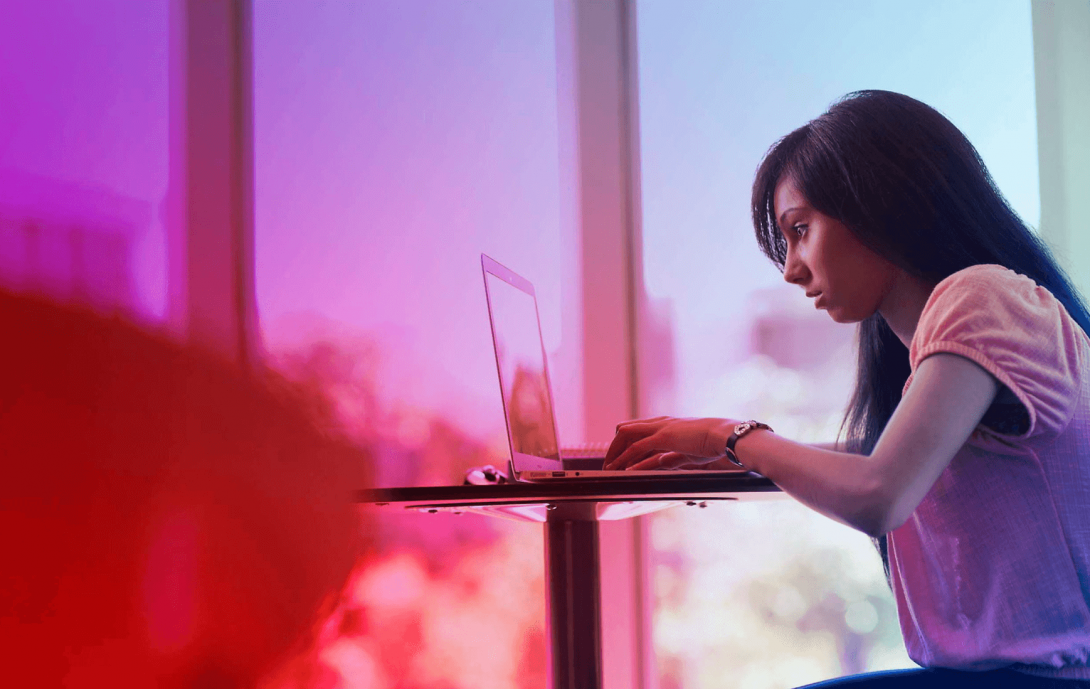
613 499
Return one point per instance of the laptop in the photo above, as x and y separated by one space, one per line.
527 394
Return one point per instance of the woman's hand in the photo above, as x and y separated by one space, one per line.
668 443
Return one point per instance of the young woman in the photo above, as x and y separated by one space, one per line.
967 452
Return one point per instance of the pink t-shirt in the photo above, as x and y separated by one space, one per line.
993 567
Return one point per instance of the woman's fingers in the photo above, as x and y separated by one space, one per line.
637 441
630 450
628 433
663 461
618 446
650 453
640 421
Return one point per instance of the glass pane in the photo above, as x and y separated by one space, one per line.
84 153
396 142
780 596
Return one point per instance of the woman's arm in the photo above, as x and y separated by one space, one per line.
876 494
873 494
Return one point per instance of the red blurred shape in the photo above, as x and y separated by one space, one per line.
170 582
166 517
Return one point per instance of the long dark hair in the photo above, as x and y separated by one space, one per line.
909 185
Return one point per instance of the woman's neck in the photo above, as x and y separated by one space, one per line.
903 305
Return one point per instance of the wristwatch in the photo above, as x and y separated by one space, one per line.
739 431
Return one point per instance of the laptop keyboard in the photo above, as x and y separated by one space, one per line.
586 451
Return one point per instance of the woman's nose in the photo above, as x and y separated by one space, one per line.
794 271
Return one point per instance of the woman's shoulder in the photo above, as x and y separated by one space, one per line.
1016 330
990 306
992 287
985 275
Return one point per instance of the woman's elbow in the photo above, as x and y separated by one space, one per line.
880 510
879 524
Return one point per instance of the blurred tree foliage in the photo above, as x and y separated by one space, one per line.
441 601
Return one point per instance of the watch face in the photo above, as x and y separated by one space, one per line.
742 428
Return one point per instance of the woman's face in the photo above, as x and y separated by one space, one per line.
824 258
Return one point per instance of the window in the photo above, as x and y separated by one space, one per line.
394 143
771 594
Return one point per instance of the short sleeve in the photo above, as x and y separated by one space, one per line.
1013 328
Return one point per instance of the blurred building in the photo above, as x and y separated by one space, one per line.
70 243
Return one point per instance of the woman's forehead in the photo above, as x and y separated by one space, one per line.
787 197
787 189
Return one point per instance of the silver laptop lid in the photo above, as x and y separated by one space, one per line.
523 369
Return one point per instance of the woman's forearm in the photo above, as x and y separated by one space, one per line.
842 486
876 493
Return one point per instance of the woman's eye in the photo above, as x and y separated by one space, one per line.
799 229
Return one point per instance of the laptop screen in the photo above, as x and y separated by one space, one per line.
520 357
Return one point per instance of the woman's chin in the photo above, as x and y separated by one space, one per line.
844 317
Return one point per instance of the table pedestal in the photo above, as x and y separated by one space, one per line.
574 600
570 512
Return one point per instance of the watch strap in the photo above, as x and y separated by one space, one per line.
739 431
